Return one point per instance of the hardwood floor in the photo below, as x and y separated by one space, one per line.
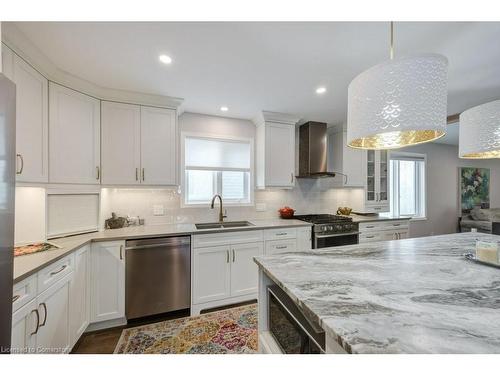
104 341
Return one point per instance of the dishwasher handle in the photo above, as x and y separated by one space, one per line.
167 242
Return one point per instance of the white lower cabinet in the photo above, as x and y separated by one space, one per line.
108 281
24 329
211 274
383 231
80 295
244 271
53 306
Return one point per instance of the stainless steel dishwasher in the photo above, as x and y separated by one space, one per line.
158 275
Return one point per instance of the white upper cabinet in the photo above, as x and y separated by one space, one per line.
158 146
74 136
275 151
346 160
31 118
121 143
138 145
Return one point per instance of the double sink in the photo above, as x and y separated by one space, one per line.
224 224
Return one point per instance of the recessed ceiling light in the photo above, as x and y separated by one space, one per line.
320 90
224 109
165 59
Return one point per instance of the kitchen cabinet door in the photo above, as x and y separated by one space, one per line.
121 143
74 136
80 295
158 146
304 240
279 154
108 281
31 123
211 274
53 306
244 271
24 328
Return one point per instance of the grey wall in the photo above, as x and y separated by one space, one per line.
442 188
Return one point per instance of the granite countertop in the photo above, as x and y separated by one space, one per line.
27 265
415 295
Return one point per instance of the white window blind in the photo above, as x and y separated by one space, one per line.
407 184
217 166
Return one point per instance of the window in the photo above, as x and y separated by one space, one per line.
407 184
217 166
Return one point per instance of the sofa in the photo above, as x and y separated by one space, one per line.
480 219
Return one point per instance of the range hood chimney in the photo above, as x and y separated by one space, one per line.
313 151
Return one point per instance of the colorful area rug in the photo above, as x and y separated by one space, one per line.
231 331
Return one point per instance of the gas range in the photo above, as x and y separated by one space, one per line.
331 230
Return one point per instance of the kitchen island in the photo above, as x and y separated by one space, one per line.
415 295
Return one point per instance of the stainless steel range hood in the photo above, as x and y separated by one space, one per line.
313 151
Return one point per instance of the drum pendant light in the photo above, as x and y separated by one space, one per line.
398 103
479 129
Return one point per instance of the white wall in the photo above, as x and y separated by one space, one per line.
442 188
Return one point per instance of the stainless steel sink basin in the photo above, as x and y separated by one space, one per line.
225 224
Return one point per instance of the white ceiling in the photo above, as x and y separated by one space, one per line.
251 67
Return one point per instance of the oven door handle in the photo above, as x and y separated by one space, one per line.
304 329
336 234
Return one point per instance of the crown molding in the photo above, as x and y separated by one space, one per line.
13 38
282 118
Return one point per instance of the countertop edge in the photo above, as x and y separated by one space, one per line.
311 315
97 237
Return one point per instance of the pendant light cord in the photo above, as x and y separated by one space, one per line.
392 41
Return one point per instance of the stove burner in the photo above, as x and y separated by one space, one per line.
325 224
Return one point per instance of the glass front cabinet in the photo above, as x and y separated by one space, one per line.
376 181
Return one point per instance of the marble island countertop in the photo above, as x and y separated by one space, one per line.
26 265
408 296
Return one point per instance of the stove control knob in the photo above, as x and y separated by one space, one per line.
338 227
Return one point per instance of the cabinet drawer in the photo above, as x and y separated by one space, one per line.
24 291
395 225
280 246
373 226
280 234
370 237
226 238
55 272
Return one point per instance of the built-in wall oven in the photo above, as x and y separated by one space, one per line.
293 332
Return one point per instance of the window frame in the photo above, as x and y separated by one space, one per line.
218 179
420 193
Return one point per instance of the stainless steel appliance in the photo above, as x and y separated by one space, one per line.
331 230
7 191
294 333
314 152
158 275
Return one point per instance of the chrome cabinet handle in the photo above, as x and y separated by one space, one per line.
234 255
60 270
281 247
121 252
281 234
227 256
45 311
370 236
15 298
137 174
22 163
98 173
370 226
37 321
291 177
396 225
143 174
